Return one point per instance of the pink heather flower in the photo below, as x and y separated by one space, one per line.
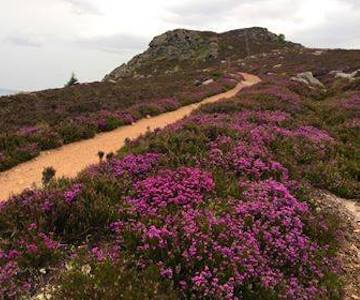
72 193
32 226
31 248
48 242
182 187
134 165
166 273
313 134
98 254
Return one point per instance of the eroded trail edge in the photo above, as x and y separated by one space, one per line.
70 159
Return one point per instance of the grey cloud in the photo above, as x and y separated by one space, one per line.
251 12
117 43
337 32
204 8
22 41
201 12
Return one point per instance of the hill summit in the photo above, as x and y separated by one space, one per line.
180 49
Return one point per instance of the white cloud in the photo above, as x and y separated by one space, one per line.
42 41
117 43
83 7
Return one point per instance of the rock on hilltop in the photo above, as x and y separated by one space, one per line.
181 48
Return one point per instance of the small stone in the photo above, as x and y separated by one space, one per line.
206 82
318 52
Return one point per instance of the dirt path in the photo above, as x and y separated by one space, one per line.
70 159
349 254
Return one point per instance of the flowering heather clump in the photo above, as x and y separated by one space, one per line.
133 165
351 103
279 92
106 120
313 134
252 161
219 256
71 194
28 150
9 286
243 121
168 104
33 251
183 187
28 130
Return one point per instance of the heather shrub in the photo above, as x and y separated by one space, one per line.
25 152
44 137
22 259
89 278
179 148
71 132
148 109
47 175
224 255
112 123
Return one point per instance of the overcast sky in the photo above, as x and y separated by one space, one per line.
43 41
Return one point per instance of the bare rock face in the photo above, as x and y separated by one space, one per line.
309 79
177 45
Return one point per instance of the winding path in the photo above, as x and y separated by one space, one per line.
72 158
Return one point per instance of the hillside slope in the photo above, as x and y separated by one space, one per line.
180 67
182 49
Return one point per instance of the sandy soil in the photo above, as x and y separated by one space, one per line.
70 159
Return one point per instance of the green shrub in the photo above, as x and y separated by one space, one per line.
113 280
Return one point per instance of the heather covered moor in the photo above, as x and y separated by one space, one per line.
216 206
220 205
39 121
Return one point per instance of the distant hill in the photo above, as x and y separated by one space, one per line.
5 92
182 50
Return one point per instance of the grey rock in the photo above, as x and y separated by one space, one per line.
318 52
308 79
350 76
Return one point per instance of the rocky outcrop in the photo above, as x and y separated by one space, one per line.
308 78
171 51
177 45
350 76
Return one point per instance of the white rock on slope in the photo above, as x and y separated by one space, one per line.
350 76
308 78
